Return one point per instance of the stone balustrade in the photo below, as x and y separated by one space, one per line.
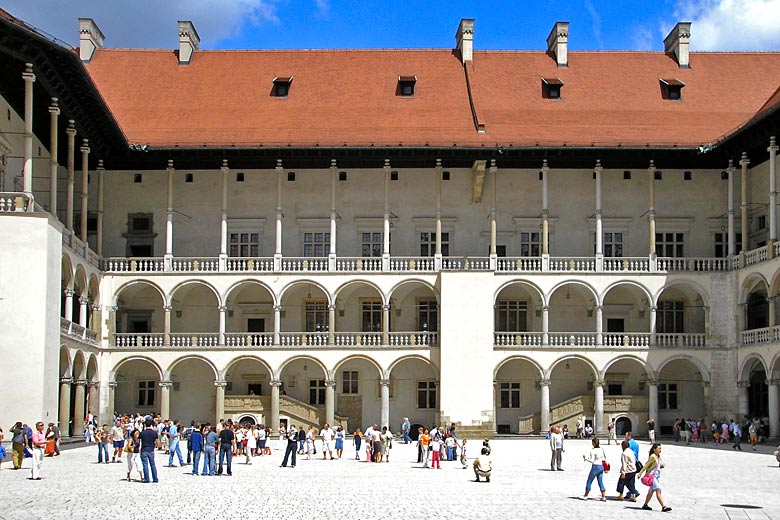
194 340
16 202
357 339
195 265
304 265
249 339
412 264
757 255
358 264
136 340
761 336
250 265
518 339
524 264
465 263
573 264
413 339
77 332
681 340
572 339
133 265
614 340
626 339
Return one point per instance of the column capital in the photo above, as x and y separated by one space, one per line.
744 161
165 384
224 168
66 380
100 167
653 308
112 385
83 300
80 382
71 130
598 168
113 308
279 168
545 167
386 307
386 164
330 383
773 382
54 108
544 382
85 146
651 168
545 308
28 72
275 382
167 308
384 382
219 383
95 306
69 292
332 307
169 168
743 384
772 145
223 308
277 308
652 382
598 383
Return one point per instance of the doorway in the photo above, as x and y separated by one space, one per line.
622 425
616 325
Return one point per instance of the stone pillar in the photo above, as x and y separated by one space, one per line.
386 221
278 248
71 131
69 304
437 253
545 211
545 420
83 302
598 418
165 399
384 387
64 415
277 325
168 258
652 402
744 161
545 325
742 398
774 408
385 324
707 400
222 316
653 324
275 384
220 401
332 250
29 78
331 325
772 309
101 173
224 218
493 230
651 207
772 189
111 405
167 325
84 188
54 110
93 401
599 170
599 325
732 238
330 401
78 408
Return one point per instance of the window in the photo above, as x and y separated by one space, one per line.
426 394
371 312
406 85
667 396
140 224
240 177
613 244
188 177
342 176
394 175
659 175
316 392
428 244
671 245
687 176
349 382
140 235
138 178
761 222
146 393
511 316
510 395
316 316
551 88
627 175
371 244
290 176
722 244
428 316
281 88
670 317
316 244
671 89
614 389
530 243
244 245
445 176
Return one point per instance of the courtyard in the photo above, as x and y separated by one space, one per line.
699 482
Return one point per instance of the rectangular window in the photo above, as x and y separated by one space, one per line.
317 392
244 245
613 245
349 382
146 393
722 244
371 244
667 396
670 245
510 395
428 244
316 244
511 316
426 394
428 316
316 316
530 243
371 312
670 317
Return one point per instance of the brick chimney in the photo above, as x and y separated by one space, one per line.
189 41
676 44
465 39
90 38
558 43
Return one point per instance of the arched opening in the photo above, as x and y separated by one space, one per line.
359 315
193 394
623 425
680 393
137 387
518 397
248 390
358 394
302 394
414 392
757 310
194 316
66 283
680 318
80 293
758 390
572 314
140 319
304 315
518 315
572 394
250 316
626 316
626 394
414 315
247 421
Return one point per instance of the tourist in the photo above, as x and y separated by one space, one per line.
51 441
210 442
627 473
752 431
420 448
357 439
302 440
405 427
118 439
702 431
376 446
676 429
292 437
174 442
387 443
251 444
580 431
436 452
326 434
588 431
611 434
565 431
38 445
556 447
651 429
737 432
57 438
463 453
424 441
262 439
195 445
132 453
102 438
724 432
449 445
227 444
596 458
2 448
634 446
149 441
309 433
483 466
18 442
653 467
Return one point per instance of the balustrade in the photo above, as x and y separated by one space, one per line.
249 339
303 339
627 265
626 339
519 339
13 202
132 339
250 265
410 339
415 263
573 264
572 339
465 263
195 339
757 255
308 264
197 265
686 340
760 336
352 339
76 331
360 264
523 264
694 264
133 265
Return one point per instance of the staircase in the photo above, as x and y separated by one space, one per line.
562 413
299 413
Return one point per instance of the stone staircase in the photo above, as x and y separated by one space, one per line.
299 413
568 411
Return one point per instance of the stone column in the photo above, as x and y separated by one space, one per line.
599 325
84 188
772 189
744 161
78 408
275 384
71 131
742 398
651 208
93 401
653 324
64 415
222 317
168 258
707 399
165 399
652 401
167 325
277 325
278 249
83 302
54 110
599 170
386 220
598 418
220 401
330 401
732 238
29 78
224 218
545 420
545 325
69 304
384 387
774 408
493 230
545 211
111 405
332 250
331 324
385 324
437 254
101 172
772 309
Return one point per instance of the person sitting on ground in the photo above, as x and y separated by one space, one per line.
483 466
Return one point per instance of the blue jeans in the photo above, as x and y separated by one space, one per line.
196 459
597 472
147 460
450 453
175 449
209 458
222 454
407 439
102 448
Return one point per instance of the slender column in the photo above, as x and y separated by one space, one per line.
169 219
653 318
652 400
222 316
772 189
93 403
333 180
545 211
165 399
54 110
64 415
224 218
545 419
71 131
278 249
385 324
83 302
78 408
598 419
101 172
275 405
742 398
599 232
493 172
277 324
599 325
744 205
651 207
437 254
331 325
166 324
384 387
732 245
29 78
774 408
69 304
707 399
545 324
386 220
111 405
330 401
772 309
84 188
220 401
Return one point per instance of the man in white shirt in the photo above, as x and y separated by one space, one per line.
326 434
483 466
556 446
118 438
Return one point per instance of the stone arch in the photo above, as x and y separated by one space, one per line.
363 357
530 360
132 283
306 357
80 281
644 290
313 283
237 287
66 364
578 357
186 357
705 373
774 283
412 281
401 359
629 357
754 281
526 283
749 363
79 367
690 284
588 287
128 359
774 366
361 281
136 384
246 357
94 288
67 272
187 283
93 374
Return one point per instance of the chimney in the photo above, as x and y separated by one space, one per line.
677 42
465 39
189 41
558 43
90 38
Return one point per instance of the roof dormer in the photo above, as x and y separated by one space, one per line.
281 88
406 86
671 88
551 88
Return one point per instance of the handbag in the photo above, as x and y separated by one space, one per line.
604 462
647 479
639 465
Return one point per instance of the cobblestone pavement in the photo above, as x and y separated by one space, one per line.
699 483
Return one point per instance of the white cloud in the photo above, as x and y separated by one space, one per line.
145 23
323 8
643 39
730 24
595 20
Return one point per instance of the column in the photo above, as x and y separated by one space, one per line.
742 398
224 219
651 207
71 131
93 402
772 189
545 324
599 232
774 408
385 324
744 161
83 302
222 316
332 252
168 258
29 78
386 220
330 401
165 399
732 238
78 408
437 254
707 399
84 188
64 416
277 325
275 384
111 405
653 318
101 172
545 212
69 304
493 238
598 419
166 325
331 324
652 402
384 387
545 420
54 110
599 325
772 309
278 250
220 403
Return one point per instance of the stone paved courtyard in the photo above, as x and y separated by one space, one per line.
707 483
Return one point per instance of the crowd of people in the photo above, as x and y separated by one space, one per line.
732 432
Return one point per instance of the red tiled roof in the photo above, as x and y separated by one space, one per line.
349 97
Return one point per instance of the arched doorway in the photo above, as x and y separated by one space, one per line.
518 397
414 392
623 425
193 394
358 395
680 393
758 390
137 387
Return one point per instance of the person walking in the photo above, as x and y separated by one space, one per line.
174 438
752 434
436 452
195 444
118 441
424 441
18 442
210 442
651 429
653 467
57 438
340 435
149 441
326 434
736 431
357 440
627 473
405 427
227 444
556 447
38 445
611 434
102 437
596 458
133 454
387 443
251 444
292 443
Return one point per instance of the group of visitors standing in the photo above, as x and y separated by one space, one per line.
722 431
29 443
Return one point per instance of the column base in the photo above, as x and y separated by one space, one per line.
277 264
168 262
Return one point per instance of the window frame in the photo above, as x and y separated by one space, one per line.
430 388
512 391
149 389
664 394
350 382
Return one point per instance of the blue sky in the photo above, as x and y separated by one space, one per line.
500 24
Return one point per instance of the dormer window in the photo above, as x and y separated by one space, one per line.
281 86
671 89
406 85
551 88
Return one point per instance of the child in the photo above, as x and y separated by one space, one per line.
463 454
